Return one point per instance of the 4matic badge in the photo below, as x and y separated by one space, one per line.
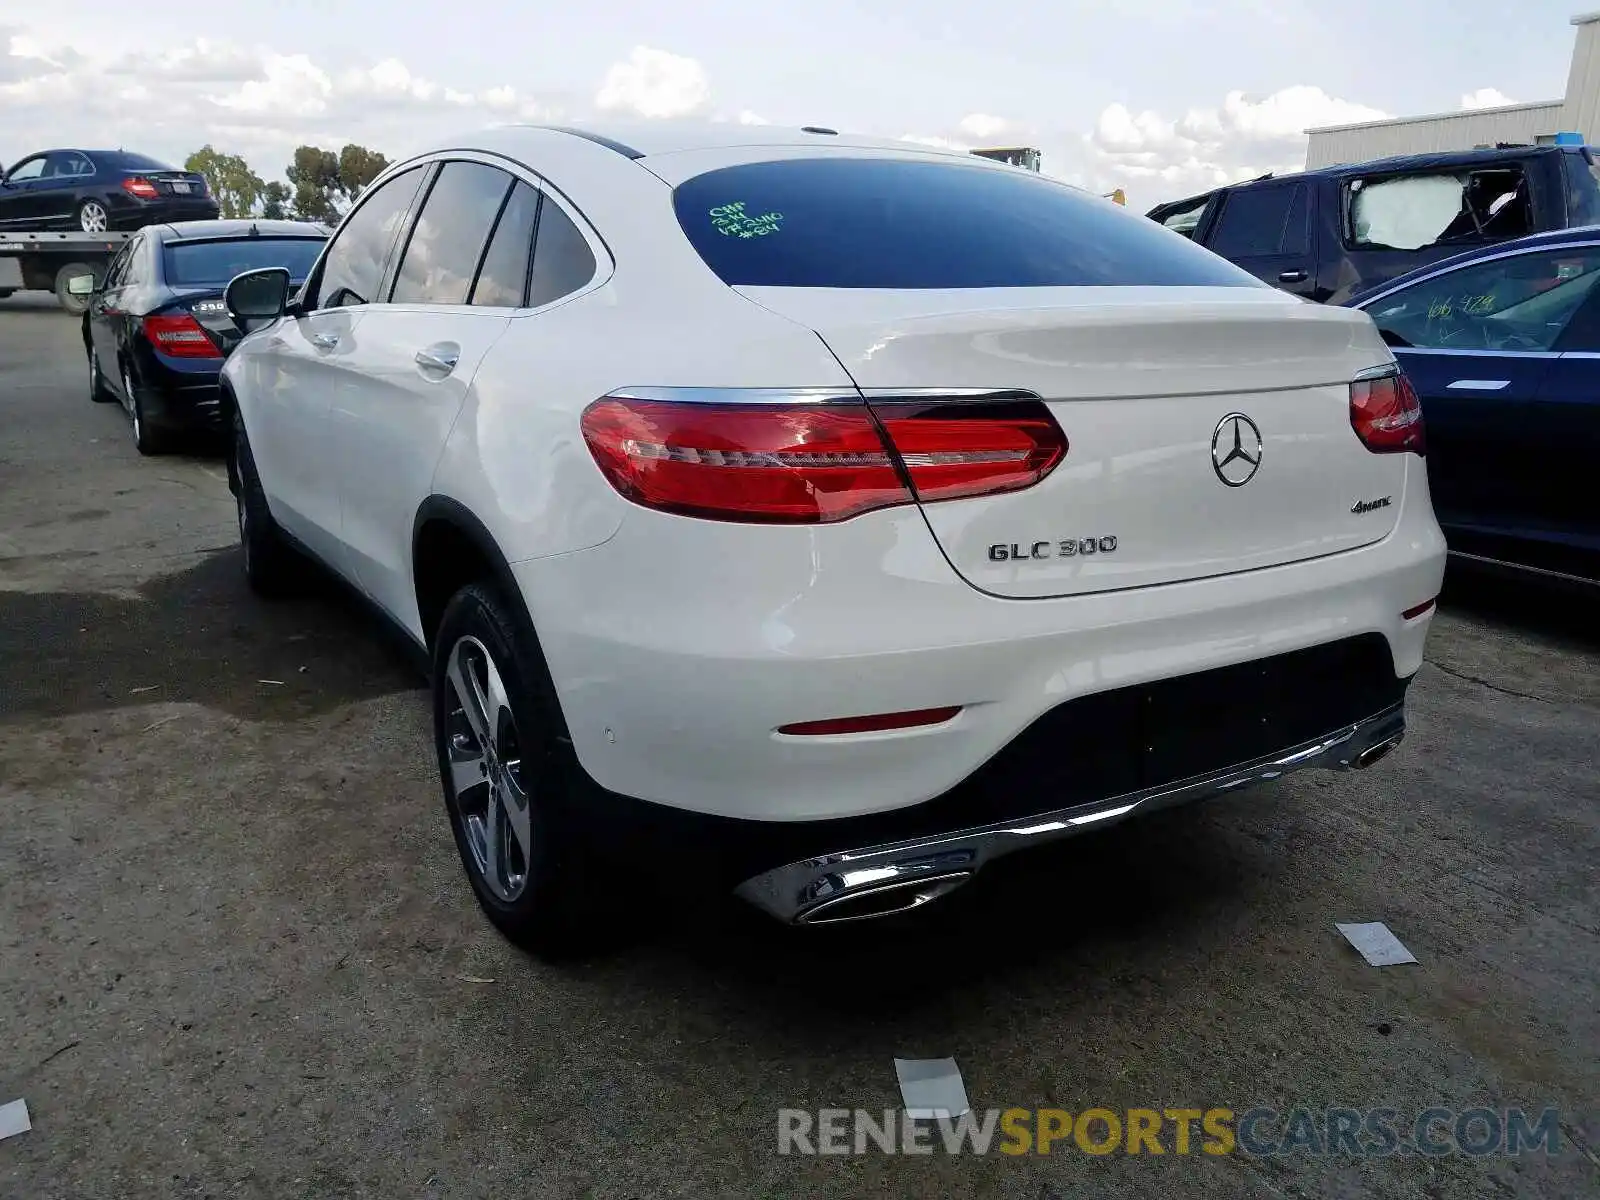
1066 548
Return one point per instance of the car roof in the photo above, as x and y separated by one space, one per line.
1555 237
222 230
645 139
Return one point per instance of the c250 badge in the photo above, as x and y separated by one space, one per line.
1066 548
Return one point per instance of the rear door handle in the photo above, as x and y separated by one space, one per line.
1480 385
325 341
442 357
1291 276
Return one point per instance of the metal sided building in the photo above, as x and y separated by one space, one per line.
1576 117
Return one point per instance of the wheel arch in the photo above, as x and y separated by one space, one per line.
450 548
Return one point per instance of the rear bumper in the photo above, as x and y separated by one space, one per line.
180 395
678 648
877 880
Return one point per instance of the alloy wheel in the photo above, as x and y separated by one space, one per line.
92 217
133 406
486 778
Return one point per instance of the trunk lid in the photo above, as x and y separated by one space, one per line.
174 183
1143 381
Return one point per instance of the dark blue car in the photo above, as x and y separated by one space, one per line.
1503 346
156 330
97 190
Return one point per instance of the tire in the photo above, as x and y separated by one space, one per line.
98 392
272 567
76 305
147 439
91 217
534 877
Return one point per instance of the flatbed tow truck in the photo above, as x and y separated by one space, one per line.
47 261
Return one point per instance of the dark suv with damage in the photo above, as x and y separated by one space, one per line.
1332 233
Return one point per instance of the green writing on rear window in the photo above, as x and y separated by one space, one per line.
734 220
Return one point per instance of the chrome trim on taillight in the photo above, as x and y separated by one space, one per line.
1381 371
961 395
738 396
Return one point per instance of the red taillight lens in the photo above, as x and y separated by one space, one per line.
1386 415
142 188
813 463
952 450
180 336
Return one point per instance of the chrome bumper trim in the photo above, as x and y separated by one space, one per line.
898 876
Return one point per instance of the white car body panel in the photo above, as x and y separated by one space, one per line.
673 685
678 646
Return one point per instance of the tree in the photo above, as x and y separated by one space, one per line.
275 198
235 186
358 167
314 175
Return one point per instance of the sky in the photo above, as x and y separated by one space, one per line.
1163 98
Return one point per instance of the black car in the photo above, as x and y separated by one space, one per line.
97 190
156 330
1330 233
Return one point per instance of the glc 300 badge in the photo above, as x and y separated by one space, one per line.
1066 548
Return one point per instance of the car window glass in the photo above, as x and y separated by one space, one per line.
503 278
1522 302
1253 221
353 268
1414 211
1583 189
33 168
924 223
133 269
1184 220
117 268
66 165
562 260
189 264
442 254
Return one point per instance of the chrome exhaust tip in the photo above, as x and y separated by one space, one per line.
1377 753
883 900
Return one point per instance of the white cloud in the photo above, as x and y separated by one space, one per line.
1163 157
654 83
291 85
983 127
1486 97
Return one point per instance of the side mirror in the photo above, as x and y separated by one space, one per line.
257 296
81 285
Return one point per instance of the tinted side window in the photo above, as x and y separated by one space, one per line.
1253 221
1519 303
441 258
134 269
118 268
920 223
1583 189
353 268
562 260
503 278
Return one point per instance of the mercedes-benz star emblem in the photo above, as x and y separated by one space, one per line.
1236 449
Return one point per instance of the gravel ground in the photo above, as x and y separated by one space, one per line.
237 956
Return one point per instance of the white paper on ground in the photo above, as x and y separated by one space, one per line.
931 1088
14 1118
1377 945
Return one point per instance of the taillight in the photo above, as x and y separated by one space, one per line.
1386 414
809 463
142 188
180 336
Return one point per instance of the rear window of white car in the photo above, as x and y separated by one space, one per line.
910 223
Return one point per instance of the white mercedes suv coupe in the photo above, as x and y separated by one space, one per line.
833 515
